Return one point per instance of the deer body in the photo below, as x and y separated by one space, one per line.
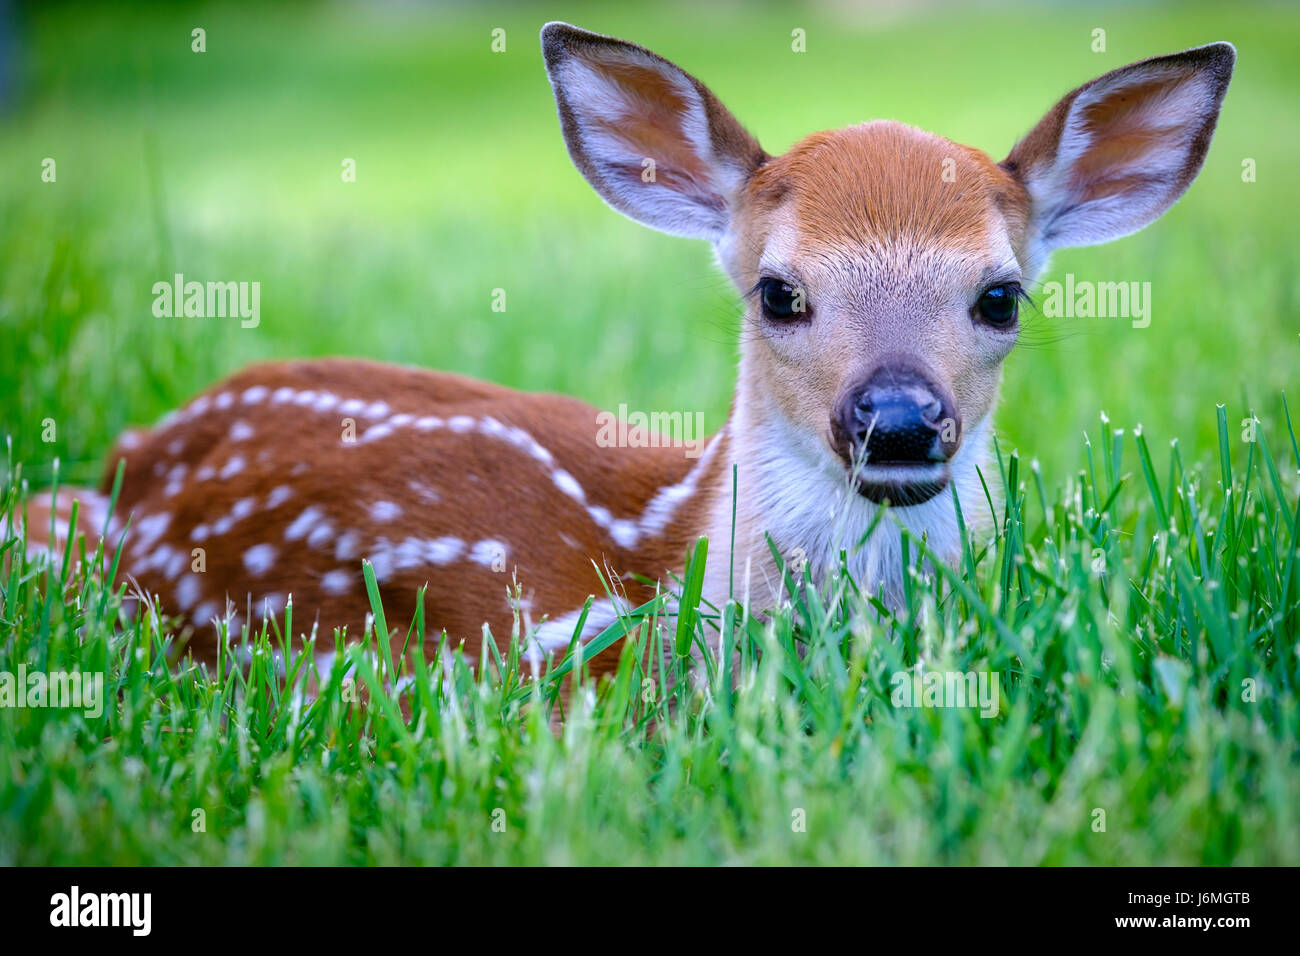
881 267
283 478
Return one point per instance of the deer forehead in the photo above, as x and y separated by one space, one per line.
900 208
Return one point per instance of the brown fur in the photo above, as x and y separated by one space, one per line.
880 182
485 490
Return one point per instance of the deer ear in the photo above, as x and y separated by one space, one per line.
649 137
1112 156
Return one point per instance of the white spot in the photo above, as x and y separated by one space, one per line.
232 467
352 406
375 432
175 446
461 423
282 395
384 512
199 406
272 605
348 546
278 496
428 423
309 518
205 612
200 532
305 398
425 493
255 394
659 512
568 484
323 661
409 554
187 592
624 533
325 402
445 550
206 473
381 560
320 535
488 552
158 559
376 410
175 564
224 400
95 509
540 453
556 634
335 582
401 420
241 431
150 529
259 558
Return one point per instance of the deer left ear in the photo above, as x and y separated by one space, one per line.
651 139
1115 154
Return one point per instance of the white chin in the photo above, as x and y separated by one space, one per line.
902 485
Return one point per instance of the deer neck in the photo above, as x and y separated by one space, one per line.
789 488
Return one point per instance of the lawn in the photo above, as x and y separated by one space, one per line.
1143 619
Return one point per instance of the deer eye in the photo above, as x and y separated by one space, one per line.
781 301
1000 305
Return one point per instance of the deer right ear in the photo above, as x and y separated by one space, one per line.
1115 154
649 137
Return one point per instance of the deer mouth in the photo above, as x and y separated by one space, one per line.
901 484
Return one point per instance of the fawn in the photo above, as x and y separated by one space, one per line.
881 268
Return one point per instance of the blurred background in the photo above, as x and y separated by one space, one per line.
227 165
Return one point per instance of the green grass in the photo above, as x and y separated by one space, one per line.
1143 632
1121 669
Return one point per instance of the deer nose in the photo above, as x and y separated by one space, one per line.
897 416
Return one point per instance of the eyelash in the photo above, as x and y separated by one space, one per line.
1023 297
758 286
803 309
1018 297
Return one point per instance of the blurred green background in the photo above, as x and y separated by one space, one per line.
226 165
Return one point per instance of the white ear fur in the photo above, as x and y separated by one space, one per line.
650 138
1116 153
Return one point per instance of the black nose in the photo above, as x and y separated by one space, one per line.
900 416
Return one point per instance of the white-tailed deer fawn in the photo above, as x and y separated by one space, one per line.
881 269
